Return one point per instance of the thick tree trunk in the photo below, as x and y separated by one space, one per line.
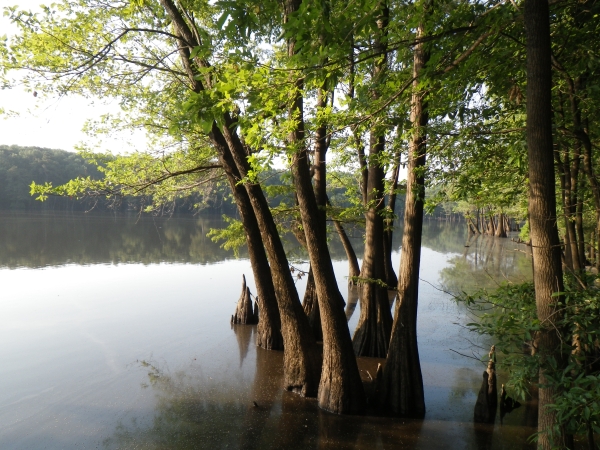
301 362
372 335
402 386
547 274
500 229
492 229
301 359
340 390
268 333
311 303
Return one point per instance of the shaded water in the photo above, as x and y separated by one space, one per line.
115 334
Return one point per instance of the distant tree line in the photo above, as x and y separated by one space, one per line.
20 166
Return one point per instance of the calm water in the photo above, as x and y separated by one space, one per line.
115 334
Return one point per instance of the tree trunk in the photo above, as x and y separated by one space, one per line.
402 386
310 304
579 228
390 275
268 333
340 390
594 184
372 335
547 274
500 229
570 209
301 362
353 267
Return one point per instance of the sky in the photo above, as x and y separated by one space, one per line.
47 122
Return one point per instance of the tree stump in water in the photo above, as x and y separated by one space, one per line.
245 314
487 399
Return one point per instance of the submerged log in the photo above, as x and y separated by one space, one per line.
487 399
245 314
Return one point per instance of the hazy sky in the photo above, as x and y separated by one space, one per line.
43 122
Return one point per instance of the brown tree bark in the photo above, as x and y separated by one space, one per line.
301 359
500 229
373 331
244 310
390 275
372 335
402 386
353 267
310 304
547 274
301 362
340 390
268 333
268 330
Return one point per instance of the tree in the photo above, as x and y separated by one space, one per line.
402 389
547 270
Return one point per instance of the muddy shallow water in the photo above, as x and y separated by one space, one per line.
115 334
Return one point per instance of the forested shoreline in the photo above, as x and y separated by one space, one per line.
21 166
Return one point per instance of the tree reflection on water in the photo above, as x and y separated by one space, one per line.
484 263
194 411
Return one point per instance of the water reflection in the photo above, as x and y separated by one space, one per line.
202 378
28 240
485 262
195 412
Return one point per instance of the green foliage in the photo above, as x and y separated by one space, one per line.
508 315
233 235
159 180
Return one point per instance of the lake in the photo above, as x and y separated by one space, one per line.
115 334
